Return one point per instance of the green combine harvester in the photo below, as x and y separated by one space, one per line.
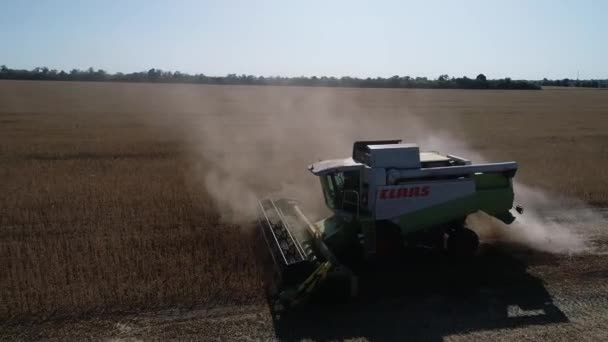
388 196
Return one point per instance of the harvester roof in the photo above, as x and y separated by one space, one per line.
391 154
431 157
323 167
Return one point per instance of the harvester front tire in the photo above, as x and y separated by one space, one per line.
462 242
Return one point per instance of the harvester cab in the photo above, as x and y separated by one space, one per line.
385 197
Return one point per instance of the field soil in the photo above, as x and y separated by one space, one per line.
125 211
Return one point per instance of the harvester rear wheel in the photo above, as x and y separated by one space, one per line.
462 242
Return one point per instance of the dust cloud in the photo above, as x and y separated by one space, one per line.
260 147
549 222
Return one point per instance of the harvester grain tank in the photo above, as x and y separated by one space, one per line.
386 197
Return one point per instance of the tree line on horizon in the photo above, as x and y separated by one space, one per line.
161 76
566 82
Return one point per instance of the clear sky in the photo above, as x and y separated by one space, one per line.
501 38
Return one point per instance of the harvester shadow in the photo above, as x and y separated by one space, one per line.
427 298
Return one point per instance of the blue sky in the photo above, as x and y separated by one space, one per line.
503 38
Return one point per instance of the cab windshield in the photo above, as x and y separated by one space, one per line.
341 190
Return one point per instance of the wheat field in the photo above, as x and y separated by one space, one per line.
102 209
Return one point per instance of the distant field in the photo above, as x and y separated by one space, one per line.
119 197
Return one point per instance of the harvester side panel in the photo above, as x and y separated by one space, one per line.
397 200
